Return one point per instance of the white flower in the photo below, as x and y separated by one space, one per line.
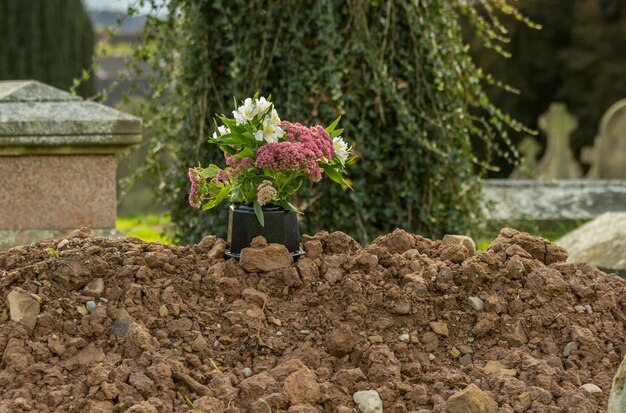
221 130
342 151
262 105
245 112
274 119
270 132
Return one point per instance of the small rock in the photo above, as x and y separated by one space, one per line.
104 300
580 308
430 341
275 321
471 400
258 242
495 367
163 311
465 360
525 400
301 387
588 308
454 352
305 332
476 303
405 337
23 308
375 339
119 327
200 343
465 349
94 288
402 307
340 340
368 401
439 328
265 259
247 372
517 337
466 241
63 244
591 388
279 334
431 356
90 305
569 347
82 310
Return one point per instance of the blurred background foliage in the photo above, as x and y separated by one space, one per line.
399 73
578 57
51 41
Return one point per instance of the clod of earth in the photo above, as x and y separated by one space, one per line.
404 324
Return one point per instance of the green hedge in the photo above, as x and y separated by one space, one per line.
398 72
47 40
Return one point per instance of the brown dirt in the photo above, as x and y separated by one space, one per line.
342 319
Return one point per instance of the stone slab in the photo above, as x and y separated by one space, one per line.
568 199
601 242
32 91
60 192
65 118
36 115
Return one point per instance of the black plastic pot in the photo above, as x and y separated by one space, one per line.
281 227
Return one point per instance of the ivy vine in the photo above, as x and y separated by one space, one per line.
398 71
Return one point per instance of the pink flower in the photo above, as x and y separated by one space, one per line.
288 156
314 138
266 193
238 164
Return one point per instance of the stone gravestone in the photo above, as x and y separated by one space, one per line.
57 161
608 156
558 162
527 169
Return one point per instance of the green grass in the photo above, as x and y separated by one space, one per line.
150 228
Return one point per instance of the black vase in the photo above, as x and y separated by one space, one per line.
281 227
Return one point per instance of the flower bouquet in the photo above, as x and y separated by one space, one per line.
267 161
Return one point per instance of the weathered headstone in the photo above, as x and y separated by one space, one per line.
608 156
558 161
57 161
529 149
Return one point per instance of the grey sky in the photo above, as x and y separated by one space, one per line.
114 5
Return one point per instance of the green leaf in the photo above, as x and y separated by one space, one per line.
335 176
258 211
246 153
336 133
210 171
288 206
333 125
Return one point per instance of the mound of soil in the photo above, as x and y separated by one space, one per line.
93 324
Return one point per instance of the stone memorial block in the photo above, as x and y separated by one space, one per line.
608 156
558 161
511 200
57 161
